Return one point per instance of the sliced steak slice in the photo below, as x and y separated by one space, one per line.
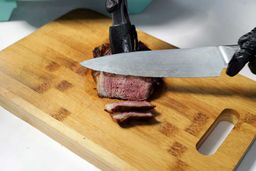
138 106
123 116
122 111
120 86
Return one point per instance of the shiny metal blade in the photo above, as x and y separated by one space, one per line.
196 62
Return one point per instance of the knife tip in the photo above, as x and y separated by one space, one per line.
85 64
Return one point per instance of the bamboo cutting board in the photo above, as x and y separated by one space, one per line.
42 82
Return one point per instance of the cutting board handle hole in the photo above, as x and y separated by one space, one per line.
218 132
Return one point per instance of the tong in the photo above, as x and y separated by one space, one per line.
122 34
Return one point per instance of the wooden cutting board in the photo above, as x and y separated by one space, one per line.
42 82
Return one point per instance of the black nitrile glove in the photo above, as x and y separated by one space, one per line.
247 53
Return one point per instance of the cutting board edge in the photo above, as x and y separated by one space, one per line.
93 153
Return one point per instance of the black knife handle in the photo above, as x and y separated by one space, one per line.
123 38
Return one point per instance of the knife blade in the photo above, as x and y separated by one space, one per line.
191 62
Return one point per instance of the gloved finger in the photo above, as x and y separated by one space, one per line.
252 66
250 45
238 61
244 38
247 37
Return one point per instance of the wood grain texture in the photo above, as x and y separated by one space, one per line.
42 82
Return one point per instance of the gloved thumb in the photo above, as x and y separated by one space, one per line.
238 61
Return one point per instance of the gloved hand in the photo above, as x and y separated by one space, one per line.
247 53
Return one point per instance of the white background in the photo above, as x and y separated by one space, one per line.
184 23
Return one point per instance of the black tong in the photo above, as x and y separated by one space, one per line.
122 34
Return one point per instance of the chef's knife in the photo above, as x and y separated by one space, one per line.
194 62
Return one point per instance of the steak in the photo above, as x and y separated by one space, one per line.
120 86
122 111
129 106
124 87
123 116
